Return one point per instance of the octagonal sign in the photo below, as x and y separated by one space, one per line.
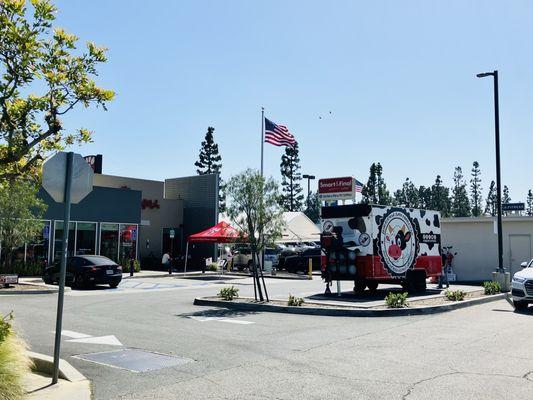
54 174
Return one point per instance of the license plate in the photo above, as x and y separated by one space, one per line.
109 272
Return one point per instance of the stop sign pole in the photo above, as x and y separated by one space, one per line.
63 270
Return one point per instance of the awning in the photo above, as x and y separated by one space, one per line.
220 233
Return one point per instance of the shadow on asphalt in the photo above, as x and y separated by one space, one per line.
209 278
217 312
368 296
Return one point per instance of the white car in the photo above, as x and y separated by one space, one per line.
522 283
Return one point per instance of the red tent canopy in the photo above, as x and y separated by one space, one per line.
220 233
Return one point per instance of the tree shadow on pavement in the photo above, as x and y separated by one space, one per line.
218 313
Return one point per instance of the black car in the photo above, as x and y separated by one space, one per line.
298 261
85 271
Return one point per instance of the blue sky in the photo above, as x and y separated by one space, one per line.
397 76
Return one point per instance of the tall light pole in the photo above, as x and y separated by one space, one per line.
494 74
308 177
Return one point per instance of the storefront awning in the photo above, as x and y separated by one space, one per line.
220 233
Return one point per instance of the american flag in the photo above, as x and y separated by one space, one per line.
358 186
278 135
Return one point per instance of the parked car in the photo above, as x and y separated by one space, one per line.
242 257
522 286
85 271
298 260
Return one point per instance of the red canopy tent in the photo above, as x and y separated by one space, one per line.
220 233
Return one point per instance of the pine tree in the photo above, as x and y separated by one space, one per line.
398 198
475 189
490 207
312 209
460 203
407 196
384 197
506 199
529 203
424 196
292 196
369 191
210 162
440 198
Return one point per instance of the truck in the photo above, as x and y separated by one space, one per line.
373 244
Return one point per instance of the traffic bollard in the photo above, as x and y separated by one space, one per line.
310 268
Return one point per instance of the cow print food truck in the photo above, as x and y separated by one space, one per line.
372 244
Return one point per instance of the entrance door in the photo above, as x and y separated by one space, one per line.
519 251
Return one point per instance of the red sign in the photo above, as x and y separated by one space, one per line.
151 204
336 185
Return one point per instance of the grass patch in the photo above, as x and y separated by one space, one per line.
492 287
396 300
229 293
14 363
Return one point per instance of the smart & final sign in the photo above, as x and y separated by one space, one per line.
336 188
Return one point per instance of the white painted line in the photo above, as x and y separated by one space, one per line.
74 335
237 321
110 340
221 319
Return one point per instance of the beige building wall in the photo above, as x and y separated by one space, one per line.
476 244
153 220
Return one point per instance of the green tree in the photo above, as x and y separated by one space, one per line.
529 203
210 162
475 189
506 199
292 196
19 216
424 196
313 207
253 207
407 196
440 197
43 77
384 197
460 203
370 190
490 203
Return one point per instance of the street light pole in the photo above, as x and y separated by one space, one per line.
308 177
494 74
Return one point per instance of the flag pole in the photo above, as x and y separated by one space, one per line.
262 237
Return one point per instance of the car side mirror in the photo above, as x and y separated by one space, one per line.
524 264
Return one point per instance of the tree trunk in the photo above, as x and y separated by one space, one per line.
255 257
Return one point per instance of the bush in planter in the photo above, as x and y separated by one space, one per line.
455 295
14 363
213 267
229 293
492 287
295 301
396 300
125 263
29 268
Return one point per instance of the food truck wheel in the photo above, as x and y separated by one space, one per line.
359 287
372 286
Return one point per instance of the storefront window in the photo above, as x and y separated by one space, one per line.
37 252
109 241
128 241
58 237
85 238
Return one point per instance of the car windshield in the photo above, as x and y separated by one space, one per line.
99 260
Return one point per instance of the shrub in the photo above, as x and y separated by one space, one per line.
29 268
295 301
125 264
492 287
396 300
213 267
229 293
455 295
14 364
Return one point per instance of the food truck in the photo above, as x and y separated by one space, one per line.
372 244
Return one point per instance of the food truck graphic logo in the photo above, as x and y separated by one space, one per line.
397 242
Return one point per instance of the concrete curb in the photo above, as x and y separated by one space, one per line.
47 289
296 277
345 311
166 275
45 364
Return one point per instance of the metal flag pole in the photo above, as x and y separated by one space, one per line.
262 237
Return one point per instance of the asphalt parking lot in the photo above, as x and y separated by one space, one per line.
483 351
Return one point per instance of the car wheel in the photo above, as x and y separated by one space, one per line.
47 279
520 305
372 286
113 285
359 287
